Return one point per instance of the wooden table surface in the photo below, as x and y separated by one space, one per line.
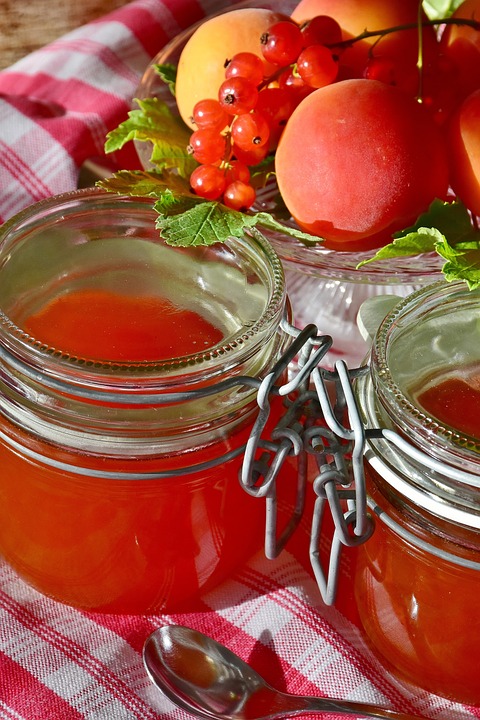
26 25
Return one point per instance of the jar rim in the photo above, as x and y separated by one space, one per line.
444 441
242 344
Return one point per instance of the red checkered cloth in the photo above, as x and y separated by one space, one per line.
57 663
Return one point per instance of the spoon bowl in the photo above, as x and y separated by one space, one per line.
209 681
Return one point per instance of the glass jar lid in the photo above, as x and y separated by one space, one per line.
425 361
93 241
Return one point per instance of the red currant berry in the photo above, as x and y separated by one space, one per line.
246 65
382 69
282 43
316 66
208 181
251 157
207 146
209 114
293 83
237 95
276 105
321 30
238 195
250 130
237 170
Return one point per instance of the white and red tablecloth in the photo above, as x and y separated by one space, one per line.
56 663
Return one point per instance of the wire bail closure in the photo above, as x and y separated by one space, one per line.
323 421
312 426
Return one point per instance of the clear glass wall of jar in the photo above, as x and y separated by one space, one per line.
418 577
118 363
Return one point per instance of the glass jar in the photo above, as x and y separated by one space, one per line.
122 423
417 579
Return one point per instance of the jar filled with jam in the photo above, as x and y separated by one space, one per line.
417 580
126 400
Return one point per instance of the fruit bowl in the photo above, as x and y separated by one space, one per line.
324 285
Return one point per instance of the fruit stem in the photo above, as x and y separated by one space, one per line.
420 53
475 24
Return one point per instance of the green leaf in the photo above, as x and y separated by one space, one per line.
204 224
437 9
449 232
463 260
413 243
166 156
171 203
450 220
154 122
187 221
143 183
168 73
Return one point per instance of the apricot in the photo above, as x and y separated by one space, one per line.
464 152
201 67
358 160
461 45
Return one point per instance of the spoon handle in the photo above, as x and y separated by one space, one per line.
344 707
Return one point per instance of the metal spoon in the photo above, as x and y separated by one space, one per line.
207 680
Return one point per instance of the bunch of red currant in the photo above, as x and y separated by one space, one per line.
239 129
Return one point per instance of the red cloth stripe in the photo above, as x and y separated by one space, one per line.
55 109
80 656
24 694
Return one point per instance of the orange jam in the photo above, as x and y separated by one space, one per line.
98 325
420 612
122 423
123 545
455 401
417 578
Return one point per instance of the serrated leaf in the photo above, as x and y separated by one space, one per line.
171 203
143 183
442 220
153 122
204 224
453 238
414 243
168 73
166 156
463 260
190 221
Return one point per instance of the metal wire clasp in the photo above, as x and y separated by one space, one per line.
322 421
337 442
324 429
259 473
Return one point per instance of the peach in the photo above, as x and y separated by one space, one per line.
464 152
358 160
461 45
201 67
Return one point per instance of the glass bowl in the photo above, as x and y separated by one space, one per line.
323 285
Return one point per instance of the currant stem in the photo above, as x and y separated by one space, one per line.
475 24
